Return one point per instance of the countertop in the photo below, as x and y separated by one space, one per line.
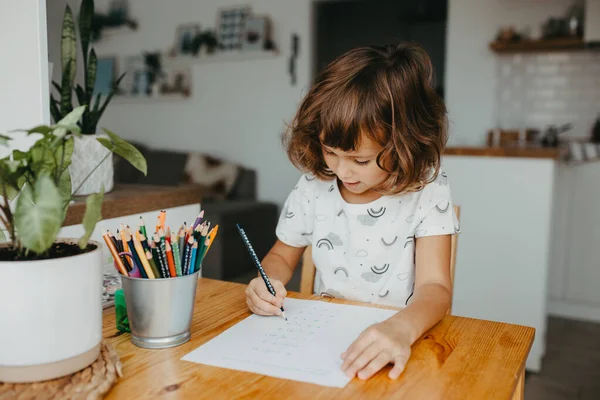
135 199
526 152
573 152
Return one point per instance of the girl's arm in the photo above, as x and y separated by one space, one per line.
390 340
433 288
281 261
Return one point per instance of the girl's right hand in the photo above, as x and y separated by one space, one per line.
260 301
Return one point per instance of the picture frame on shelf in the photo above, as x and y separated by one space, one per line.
231 22
257 33
176 82
106 71
135 81
185 37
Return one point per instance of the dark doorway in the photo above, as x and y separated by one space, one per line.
341 25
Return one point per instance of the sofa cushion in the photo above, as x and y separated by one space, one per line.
222 179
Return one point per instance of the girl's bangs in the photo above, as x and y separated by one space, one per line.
349 114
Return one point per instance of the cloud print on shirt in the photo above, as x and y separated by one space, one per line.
371 276
373 214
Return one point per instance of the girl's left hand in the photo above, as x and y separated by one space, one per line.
376 347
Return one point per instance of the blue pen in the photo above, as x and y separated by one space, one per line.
258 265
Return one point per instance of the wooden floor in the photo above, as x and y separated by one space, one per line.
571 366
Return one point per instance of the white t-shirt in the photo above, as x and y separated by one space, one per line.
365 252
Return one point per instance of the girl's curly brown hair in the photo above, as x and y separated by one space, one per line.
385 93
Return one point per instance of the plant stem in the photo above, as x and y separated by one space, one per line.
90 174
60 167
9 215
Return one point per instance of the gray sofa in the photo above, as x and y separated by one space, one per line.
225 205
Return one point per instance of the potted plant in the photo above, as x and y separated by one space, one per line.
89 156
51 287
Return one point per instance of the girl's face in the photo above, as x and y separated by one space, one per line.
357 170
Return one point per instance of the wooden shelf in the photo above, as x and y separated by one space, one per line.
530 46
220 57
163 98
136 199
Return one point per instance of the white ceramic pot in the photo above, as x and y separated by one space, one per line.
87 154
50 316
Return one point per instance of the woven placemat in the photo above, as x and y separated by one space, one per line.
90 383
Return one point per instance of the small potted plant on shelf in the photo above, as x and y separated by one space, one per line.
52 287
89 155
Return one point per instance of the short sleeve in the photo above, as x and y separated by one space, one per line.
439 217
295 225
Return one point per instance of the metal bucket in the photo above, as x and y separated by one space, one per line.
160 310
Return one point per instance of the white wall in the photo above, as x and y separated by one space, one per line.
24 69
471 65
237 110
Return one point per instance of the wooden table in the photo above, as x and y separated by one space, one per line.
460 358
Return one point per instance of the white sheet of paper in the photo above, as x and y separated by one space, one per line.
305 348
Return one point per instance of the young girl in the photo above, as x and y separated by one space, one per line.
373 204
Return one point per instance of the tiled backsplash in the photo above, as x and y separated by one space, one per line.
537 90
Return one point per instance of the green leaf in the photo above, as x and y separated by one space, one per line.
93 214
38 215
125 150
61 130
68 47
43 129
3 237
68 41
66 105
13 165
69 122
91 78
54 110
73 117
64 187
56 86
4 140
97 103
68 148
13 191
86 13
80 94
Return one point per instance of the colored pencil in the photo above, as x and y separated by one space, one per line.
153 264
186 256
192 267
212 235
111 247
181 236
156 259
198 219
176 254
119 245
163 218
170 261
143 227
160 249
142 256
168 235
135 254
201 246
125 244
